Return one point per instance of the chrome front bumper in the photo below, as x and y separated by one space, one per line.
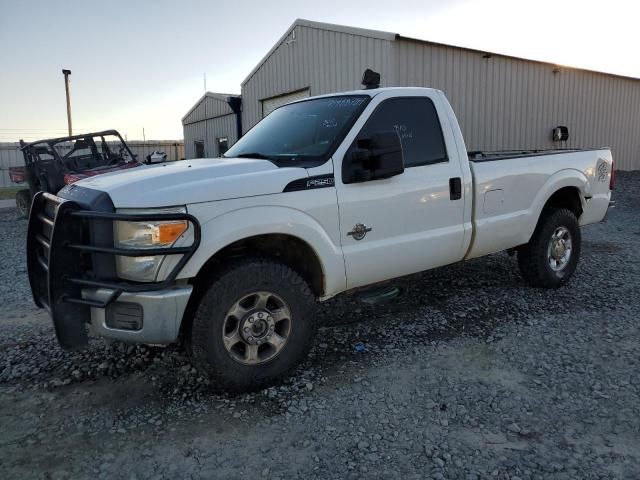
158 314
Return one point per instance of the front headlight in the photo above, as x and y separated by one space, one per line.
147 234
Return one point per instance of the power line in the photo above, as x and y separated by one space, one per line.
37 129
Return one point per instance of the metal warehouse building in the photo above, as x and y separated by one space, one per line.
212 125
502 102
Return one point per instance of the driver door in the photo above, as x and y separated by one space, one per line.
412 221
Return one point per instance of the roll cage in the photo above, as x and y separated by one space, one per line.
48 161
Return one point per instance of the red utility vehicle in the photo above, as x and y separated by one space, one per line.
53 163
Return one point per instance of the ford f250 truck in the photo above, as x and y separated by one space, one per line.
322 196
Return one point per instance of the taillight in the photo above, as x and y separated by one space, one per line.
612 182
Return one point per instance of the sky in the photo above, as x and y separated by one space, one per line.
140 64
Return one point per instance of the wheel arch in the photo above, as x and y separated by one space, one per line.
565 189
289 249
244 226
566 197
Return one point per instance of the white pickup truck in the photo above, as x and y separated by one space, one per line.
322 196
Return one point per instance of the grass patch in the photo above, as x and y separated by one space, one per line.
9 192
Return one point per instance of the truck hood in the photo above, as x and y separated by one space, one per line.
193 181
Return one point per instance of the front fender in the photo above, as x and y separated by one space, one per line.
232 226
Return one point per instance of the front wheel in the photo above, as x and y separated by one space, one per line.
253 325
551 256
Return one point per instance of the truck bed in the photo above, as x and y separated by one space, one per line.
492 156
508 197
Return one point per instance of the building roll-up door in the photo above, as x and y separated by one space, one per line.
270 104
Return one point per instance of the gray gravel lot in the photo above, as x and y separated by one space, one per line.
469 374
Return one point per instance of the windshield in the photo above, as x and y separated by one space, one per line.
92 152
303 132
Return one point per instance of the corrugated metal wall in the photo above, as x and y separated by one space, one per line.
224 126
211 119
193 132
323 60
508 103
501 102
11 156
209 107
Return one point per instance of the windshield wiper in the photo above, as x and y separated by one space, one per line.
256 155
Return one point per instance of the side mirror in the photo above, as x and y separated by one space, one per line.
374 158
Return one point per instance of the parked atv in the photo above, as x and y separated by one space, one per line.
53 163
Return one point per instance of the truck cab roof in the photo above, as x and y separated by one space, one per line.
372 92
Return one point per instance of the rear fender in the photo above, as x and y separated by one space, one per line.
564 178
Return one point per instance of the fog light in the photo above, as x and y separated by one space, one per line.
124 316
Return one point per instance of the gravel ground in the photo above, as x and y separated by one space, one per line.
468 374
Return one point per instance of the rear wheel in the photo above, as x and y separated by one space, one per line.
552 254
253 325
23 202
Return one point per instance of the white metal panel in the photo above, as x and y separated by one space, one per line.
10 156
209 119
410 214
197 114
511 103
216 107
224 126
193 181
318 58
270 104
210 105
194 132
502 102
526 184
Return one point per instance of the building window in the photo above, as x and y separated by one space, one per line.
199 148
223 145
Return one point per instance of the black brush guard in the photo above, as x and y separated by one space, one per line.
63 258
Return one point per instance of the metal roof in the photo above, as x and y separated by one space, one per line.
396 36
218 96
363 32
371 92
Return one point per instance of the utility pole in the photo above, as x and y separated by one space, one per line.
66 74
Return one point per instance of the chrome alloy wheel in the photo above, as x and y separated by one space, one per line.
559 250
256 328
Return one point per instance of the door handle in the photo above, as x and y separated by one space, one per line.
455 188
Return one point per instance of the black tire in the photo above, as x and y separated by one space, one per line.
533 258
234 282
23 202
